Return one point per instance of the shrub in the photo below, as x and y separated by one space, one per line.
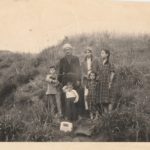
11 127
23 78
7 88
124 126
22 89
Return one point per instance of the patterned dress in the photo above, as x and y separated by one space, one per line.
105 94
92 95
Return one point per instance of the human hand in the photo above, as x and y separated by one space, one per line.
75 101
110 85
85 76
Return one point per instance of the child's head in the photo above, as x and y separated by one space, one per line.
105 53
88 52
92 76
70 86
52 69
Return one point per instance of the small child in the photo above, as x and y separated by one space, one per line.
53 92
92 95
72 97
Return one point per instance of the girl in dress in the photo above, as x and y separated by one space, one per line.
106 77
92 95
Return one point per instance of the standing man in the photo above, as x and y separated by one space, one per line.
69 69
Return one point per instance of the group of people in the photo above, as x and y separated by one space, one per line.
78 89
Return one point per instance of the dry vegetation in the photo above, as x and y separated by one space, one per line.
23 116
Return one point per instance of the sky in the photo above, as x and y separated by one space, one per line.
31 25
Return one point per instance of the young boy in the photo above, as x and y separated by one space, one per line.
53 92
72 97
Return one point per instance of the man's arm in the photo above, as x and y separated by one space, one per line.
78 69
60 71
95 66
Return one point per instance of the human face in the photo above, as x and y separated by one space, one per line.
70 87
104 55
88 54
52 70
68 51
92 76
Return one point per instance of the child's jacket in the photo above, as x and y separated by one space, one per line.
52 87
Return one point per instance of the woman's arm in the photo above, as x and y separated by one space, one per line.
95 66
112 75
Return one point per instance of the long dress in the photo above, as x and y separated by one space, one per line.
105 94
92 95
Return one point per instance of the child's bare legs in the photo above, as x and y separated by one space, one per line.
51 105
105 109
96 115
93 112
109 108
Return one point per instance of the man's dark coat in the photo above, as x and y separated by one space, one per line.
69 70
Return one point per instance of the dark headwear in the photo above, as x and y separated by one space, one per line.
88 49
52 66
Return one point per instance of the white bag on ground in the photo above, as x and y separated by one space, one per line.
66 126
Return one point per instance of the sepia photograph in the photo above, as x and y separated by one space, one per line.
74 71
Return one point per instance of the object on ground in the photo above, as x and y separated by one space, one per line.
84 131
86 128
66 126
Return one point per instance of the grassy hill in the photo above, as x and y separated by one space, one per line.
23 116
